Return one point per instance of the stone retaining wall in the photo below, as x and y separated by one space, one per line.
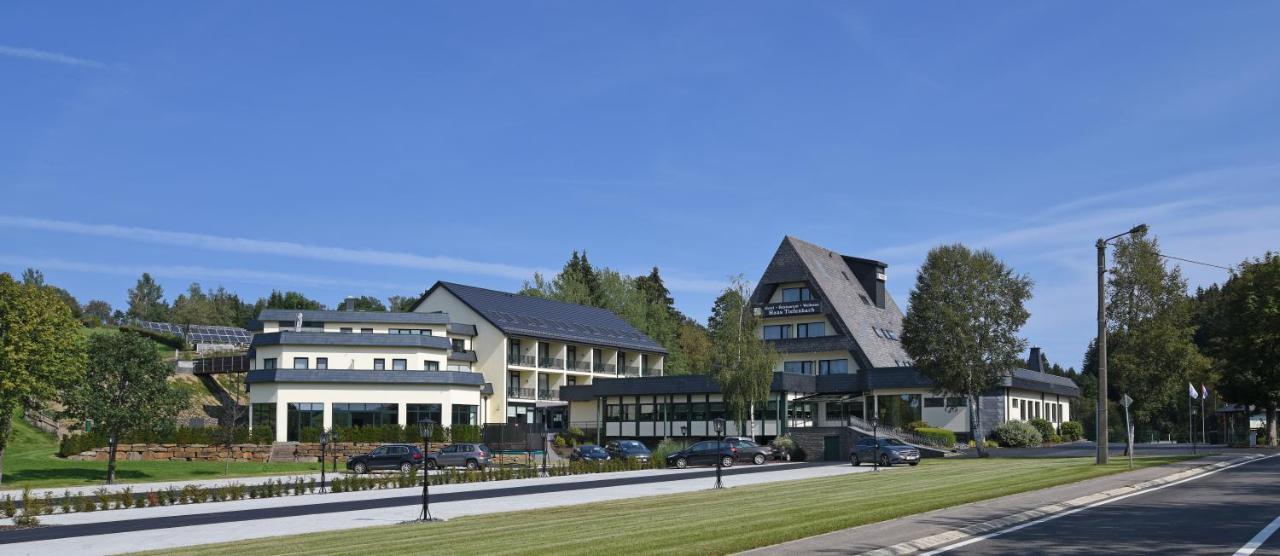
257 453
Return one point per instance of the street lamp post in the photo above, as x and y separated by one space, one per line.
1101 426
424 427
324 443
875 439
718 423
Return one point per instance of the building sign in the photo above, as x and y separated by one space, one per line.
791 309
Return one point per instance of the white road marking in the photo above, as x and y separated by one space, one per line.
1260 538
1093 505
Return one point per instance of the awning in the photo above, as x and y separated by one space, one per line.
828 398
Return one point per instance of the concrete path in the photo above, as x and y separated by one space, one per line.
117 531
893 537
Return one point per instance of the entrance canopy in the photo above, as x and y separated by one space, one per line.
836 397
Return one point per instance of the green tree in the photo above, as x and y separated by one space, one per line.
33 277
98 311
402 303
962 326
577 282
125 390
365 303
694 344
742 362
146 300
41 351
1241 328
286 300
192 307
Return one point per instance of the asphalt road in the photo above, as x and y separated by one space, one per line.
1116 449
1214 514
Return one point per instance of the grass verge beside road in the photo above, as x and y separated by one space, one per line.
708 522
29 461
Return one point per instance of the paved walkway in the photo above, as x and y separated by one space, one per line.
117 531
876 536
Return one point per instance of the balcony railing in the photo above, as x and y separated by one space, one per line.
521 393
521 360
607 368
551 363
463 355
633 370
549 394
584 366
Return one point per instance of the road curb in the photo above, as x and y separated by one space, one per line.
961 535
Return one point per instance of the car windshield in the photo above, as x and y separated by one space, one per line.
594 450
633 446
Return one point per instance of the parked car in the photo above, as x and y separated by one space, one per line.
748 450
589 452
706 452
403 457
628 449
471 456
891 451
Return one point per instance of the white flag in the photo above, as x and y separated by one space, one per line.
1192 388
1204 390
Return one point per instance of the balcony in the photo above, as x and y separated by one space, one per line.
521 360
549 394
632 370
551 363
520 393
462 355
607 368
581 366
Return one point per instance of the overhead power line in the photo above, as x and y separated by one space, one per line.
1197 262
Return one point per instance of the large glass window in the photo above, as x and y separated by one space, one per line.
464 414
798 367
699 411
399 364
680 412
777 331
365 414
716 410
416 412
933 402
796 294
833 367
303 416
647 412
896 410
613 413
811 330
264 416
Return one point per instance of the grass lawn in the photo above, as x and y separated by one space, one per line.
30 460
705 522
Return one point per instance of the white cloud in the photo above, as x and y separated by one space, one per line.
45 56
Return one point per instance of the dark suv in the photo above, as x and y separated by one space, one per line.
628 449
890 451
403 457
748 450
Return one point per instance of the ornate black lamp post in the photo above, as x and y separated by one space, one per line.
718 424
425 427
875 437
324 444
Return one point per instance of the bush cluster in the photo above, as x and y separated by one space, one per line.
1071 431
1044 426
936 436
1017 434
916 425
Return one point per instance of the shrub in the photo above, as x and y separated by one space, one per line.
786 444
914 425
1053 439
664 449
464 433
1044 426
9 507
1071 431
936 436
559 441
1017 434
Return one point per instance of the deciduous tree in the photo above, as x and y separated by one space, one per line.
742 362
146 300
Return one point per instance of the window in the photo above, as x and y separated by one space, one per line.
716 410
416 412
365 414
573 380
957 402
366 331
460 367
833 367
628 412
811 330
798 367
379 364
515 353
613 413
889 334
413 331
458 344
571 357
322 363
864 299
399 364
269 363
777 331
698 412
301 417
934 402
878 332
896 410
345 330
597 360
647 412
796 294
680 412
263 416
300 362
431 365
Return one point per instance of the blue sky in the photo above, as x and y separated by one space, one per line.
340 149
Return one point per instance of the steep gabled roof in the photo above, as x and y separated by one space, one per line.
842 298
523 315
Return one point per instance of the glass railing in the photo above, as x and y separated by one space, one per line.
521 393
551 363
522 360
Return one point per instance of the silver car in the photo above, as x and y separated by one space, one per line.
470 456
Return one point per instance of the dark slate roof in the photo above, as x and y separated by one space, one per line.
349 339
1042 382
522 315
462 329
838 287
290 315
457 378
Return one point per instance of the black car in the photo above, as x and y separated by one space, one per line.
403 457
889 452
748 450
589 452
706 452
628 449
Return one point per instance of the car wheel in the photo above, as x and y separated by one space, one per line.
681 463
431 464
914 463
884 460
758 459
726 461
406 467
854 460
472 465
360 469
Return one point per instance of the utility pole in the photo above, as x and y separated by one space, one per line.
1101 431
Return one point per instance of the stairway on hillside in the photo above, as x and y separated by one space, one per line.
283 451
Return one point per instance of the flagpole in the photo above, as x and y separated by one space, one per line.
1191 427
1202 433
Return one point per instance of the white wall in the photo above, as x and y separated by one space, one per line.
490 345
350 357
285 393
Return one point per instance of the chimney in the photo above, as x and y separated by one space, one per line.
1035 361
350 304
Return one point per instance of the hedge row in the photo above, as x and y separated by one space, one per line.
395 433
936 436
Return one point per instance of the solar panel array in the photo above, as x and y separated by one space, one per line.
200 334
